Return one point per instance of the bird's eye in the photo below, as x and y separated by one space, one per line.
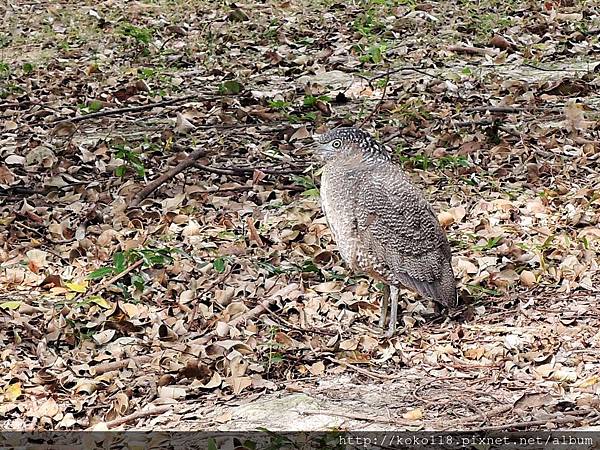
336 144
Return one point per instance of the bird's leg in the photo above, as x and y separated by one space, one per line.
384 305
394 291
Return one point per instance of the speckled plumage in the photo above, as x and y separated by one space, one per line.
380 220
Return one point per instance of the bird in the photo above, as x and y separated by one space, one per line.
381 221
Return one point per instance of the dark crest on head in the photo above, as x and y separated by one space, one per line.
342 140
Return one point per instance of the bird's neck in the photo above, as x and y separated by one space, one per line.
359 159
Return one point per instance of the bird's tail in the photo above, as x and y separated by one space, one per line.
444 291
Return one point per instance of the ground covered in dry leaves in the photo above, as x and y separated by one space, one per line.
215 298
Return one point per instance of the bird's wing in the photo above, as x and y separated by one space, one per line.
401 235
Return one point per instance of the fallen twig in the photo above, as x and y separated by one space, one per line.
42 235
401 69
550 69
368 373
264 305
353 416
254 312
573 417
284 324
153 185
459 424
465 49
472 50
24 190
128 109
497 109
121 364
248 170
469 123
138 415
379 103
428 383
118 276
209 288
230 189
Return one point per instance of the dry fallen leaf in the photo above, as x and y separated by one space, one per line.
238 384
12 392
446 219
317 368
413 414
171 392
183 125
527 278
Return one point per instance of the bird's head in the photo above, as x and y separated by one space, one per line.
350 141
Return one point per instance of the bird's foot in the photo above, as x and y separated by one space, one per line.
390 332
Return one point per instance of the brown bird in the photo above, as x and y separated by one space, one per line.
381 221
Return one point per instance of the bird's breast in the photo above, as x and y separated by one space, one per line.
337 206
